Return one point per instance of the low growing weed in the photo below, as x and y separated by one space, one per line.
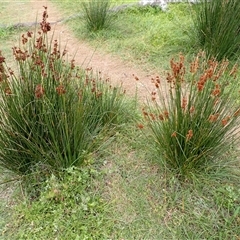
194 121
68 208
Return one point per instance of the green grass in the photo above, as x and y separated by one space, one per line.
6 33
145 36
68 208
130 197
8 17
149 202
8 13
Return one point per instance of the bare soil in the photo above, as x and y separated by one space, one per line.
85 55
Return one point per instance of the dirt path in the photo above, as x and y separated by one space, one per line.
85 55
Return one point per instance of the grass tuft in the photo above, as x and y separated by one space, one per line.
218 29
52 112
194 121
97 14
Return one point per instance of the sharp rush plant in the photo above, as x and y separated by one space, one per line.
217 24
194 122
97 14
53 113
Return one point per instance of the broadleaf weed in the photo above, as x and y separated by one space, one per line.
68 207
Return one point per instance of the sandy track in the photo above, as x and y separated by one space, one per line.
85 55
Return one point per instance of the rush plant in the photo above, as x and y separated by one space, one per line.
53 114
217 24
192 117
97 14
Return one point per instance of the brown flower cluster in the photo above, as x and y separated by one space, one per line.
60 90
204 77
225 121
213 117
39 91
20 55
178 68
178 71
2 69
45 26
192 109
92 83
189 135
184 103
163 116
2 59
4 76
156 81
140 126
213 72
174 134
216 91
153 94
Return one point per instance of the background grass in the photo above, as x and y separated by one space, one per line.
145 35
138 198
9 35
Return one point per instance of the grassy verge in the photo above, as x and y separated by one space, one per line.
145 36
